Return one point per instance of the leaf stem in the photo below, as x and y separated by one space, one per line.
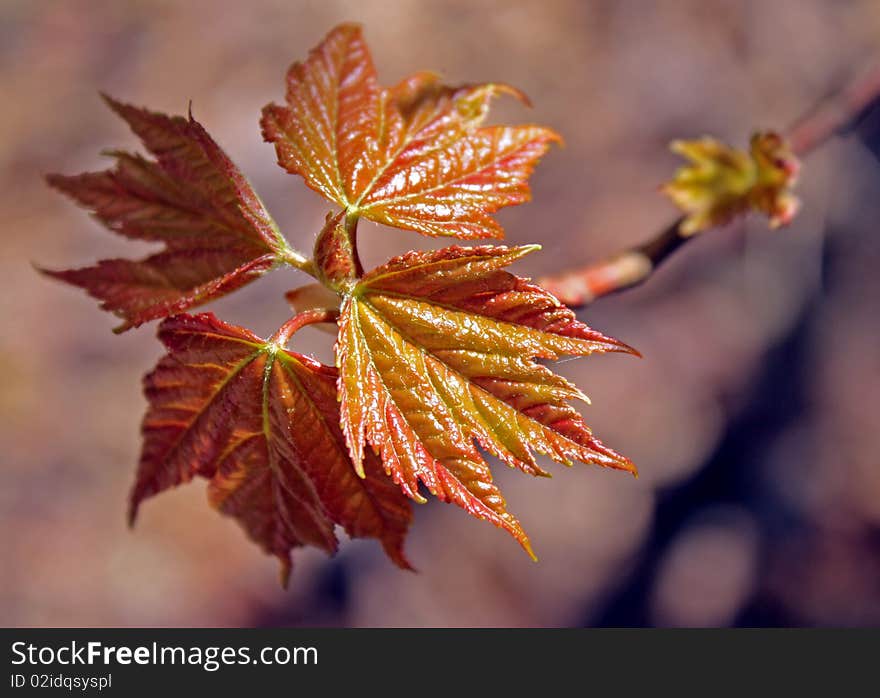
297 322
624 270
297 259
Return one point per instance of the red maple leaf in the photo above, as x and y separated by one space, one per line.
437 353
262 424
216 233
412 156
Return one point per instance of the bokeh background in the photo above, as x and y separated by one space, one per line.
753 416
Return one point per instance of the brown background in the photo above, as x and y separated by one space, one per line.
752 417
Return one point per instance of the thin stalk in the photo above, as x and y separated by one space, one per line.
298 260
300 320
833 116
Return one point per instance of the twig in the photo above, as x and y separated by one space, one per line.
833 116
836 115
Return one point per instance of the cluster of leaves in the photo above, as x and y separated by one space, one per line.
721 182
437 353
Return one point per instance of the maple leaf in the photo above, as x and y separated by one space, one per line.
262 424
722 182
412 156
216 232
437 353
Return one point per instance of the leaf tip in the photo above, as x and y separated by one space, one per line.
114 104
132 513
348 27
618 347
552 136
627 349
54 180
502 88
398 557
514 253
284 571
582 396
625 464
42 270
678 146
359 468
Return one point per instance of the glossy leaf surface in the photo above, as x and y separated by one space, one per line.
217 235
437 355
413 156
262 424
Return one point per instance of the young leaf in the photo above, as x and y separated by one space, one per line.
216 232
335 257
413 156
722 182
777 173
437 350
262 423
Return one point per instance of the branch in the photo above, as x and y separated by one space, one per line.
834 116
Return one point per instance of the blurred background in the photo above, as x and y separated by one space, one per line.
753 417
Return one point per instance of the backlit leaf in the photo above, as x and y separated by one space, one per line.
437 355
216 233
414 156
262 424
721 182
